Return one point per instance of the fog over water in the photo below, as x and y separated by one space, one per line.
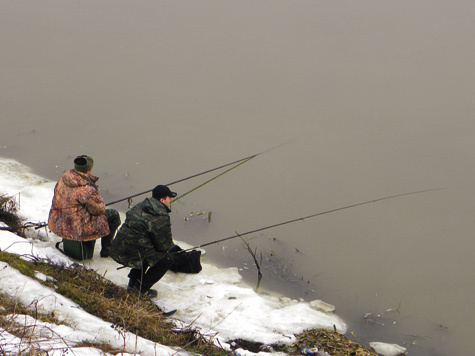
349 101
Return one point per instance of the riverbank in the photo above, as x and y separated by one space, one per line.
214 298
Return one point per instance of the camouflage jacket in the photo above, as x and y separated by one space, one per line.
146 234
77 210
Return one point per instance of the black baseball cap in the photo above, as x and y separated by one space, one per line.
161 191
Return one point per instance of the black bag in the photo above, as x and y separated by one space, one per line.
187 262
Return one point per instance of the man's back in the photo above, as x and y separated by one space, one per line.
145 235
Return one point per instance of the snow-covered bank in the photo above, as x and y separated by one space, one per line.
216 300
79 325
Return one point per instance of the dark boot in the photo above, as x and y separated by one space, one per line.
132 282
142 279
113 219
151 293
135 288
135 275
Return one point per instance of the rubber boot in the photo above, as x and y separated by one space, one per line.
113 219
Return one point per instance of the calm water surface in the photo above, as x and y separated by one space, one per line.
356 100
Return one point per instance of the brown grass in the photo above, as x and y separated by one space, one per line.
110 302
8 213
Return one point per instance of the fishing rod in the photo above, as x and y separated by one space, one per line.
237 164
308 217
243 160
192 176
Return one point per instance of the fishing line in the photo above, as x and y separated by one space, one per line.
210 180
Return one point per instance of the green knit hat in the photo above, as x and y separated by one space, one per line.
83 163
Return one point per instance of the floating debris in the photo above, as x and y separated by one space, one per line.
199 215
321 306
388 349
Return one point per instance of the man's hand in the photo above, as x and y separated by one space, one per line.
175 248
167 261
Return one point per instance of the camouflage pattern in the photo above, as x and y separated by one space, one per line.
146 235
77 210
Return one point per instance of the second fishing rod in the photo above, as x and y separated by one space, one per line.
307 217
299 219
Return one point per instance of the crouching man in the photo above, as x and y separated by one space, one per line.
144 243
78 212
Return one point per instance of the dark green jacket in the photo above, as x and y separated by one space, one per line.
145 235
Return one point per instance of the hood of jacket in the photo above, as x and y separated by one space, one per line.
72 179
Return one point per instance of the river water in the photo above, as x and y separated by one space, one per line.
347 102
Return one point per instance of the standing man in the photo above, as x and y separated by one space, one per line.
78 212
144 243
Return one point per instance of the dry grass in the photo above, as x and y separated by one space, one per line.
333 343
324 340
110 302
8 210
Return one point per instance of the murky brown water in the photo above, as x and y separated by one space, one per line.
371 98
